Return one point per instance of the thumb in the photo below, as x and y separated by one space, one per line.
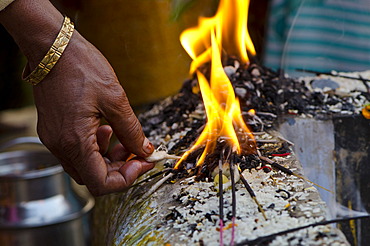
126 126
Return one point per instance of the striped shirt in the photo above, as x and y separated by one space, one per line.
318 35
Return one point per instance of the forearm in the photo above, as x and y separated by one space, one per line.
34 26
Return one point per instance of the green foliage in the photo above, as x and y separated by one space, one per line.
180 6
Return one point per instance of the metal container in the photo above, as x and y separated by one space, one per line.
38 205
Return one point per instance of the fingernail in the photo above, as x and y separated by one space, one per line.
148 146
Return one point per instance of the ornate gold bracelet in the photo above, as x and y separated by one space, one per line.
53 55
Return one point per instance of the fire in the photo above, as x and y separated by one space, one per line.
227 33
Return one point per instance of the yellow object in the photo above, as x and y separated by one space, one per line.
53 55
352 226
366 111
195 89
142 43
229 226
217 180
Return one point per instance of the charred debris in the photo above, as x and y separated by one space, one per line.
180 119
265 97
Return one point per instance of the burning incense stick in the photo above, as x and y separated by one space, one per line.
251 193
221 198
233 194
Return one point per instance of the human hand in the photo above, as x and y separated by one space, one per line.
80 90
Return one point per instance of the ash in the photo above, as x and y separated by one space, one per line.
288 203
270 93
190 214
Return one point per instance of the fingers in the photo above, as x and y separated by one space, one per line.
69 114
102 178
118 153
125 124
114 175
114 166
103 175
103 135
133 169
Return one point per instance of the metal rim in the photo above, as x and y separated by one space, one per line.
31 174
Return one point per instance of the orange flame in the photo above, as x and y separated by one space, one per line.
225 32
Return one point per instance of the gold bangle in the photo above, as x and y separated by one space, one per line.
54 53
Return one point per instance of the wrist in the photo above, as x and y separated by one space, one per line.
34 26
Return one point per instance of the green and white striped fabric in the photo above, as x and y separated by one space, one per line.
318 35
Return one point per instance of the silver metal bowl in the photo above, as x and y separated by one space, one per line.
38 205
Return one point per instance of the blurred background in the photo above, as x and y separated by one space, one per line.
141 41
139 38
